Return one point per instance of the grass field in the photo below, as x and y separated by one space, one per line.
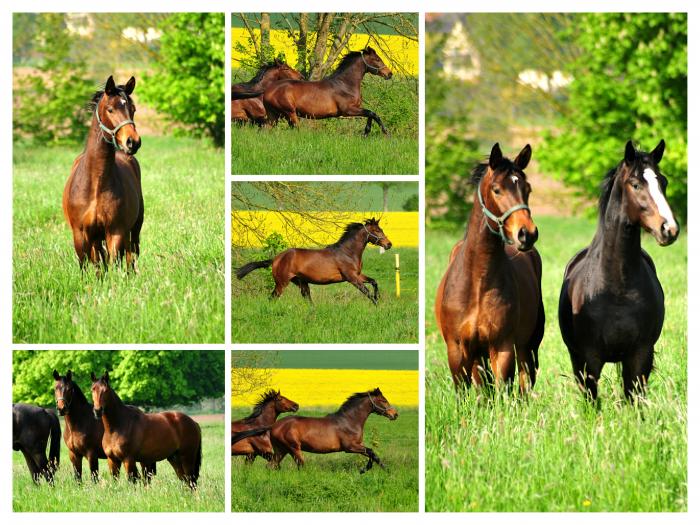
178 294
165 494
340 313
553 452
337 146
332 482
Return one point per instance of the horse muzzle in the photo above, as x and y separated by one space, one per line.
295 407
527 239
667 234
132 145
386 73
386 245
392 414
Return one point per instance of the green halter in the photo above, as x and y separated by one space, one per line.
500 221
111 132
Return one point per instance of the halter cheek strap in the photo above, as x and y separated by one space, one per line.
66 405
499 220
370 234
111 132
377 407
362 54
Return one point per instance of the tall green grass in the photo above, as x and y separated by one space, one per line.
166 493
177 296
332 482
553 452
339 314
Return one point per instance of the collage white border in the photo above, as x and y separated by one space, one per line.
228 6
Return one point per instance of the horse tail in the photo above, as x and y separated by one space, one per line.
247 268
55 441
238 436
245 94
197 461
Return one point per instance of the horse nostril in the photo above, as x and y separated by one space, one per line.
522 235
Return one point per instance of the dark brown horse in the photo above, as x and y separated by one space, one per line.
611 307
265 413
337 263
82 433
102 199
132 436
337 95
489 302
33 428
252 109
341 431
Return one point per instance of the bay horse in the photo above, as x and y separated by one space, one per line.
32 429
337 95
265 412
336 263
82 433
341 431
252 109
611 306
102 199
132 436
489 302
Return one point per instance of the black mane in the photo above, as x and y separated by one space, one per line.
346 62
77 392
605 190
97 96
265 398
261 73
356 398
350 231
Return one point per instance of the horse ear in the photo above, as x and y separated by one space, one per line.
110 87
69 375
658 152
630 153
106 376
56 375
523 158
130 85
92 377
370 50
496 156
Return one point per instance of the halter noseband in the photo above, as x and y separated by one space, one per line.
381 410
500 221
362 55
65 405
111 132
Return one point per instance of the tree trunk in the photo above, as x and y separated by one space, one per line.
302 65
323 27
265 49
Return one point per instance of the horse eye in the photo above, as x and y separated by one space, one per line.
109 110
636 186
496 190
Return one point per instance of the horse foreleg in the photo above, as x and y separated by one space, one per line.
117 242
371 115
374 285
132 471
114 465
77 462
503 363
360 286
527 368
298 457
94 468
149 471
635 372
587 372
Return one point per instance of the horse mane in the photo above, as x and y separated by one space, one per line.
350 231
264 69
480 170
355 398
265 398
605 190
78 393
345 62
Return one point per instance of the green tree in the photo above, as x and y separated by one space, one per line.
630 82
188 83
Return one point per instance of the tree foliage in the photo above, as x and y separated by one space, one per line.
188 82
630 82
145 378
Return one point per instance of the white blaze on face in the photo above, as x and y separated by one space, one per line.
514 178
659 199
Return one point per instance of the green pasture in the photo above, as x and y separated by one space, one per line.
349 359
177 296
554 452
332 482
165 494
340 313
337 146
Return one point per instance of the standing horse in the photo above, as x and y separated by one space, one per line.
252 109
265 413
337 95
611 306
336 263
32 428
489 302
82 433
341 431
131 436
102 199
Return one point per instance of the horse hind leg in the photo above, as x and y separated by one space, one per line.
587 373
303 288
635 373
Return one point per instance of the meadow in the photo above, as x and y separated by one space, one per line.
339 314
337 146
554 452
177 296
332 482
165 494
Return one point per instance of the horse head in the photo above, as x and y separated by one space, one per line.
375 65
64 391
282 404
102 393
114 110
376 235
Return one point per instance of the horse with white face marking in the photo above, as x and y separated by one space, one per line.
611 307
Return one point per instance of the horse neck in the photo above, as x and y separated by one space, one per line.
99 156
617 244
269 414
111 411
355 246
352 75
78 411
358 414
482 251
268 78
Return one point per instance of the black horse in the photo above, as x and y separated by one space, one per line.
611 307
32 427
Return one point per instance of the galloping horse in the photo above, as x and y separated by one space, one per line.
252 109
131 436
611 307
265 413
340 431
83 433
32 427
337 95
336 263
102 199
489 302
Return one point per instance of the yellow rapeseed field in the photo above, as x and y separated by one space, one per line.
311 387
401 227
402 50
